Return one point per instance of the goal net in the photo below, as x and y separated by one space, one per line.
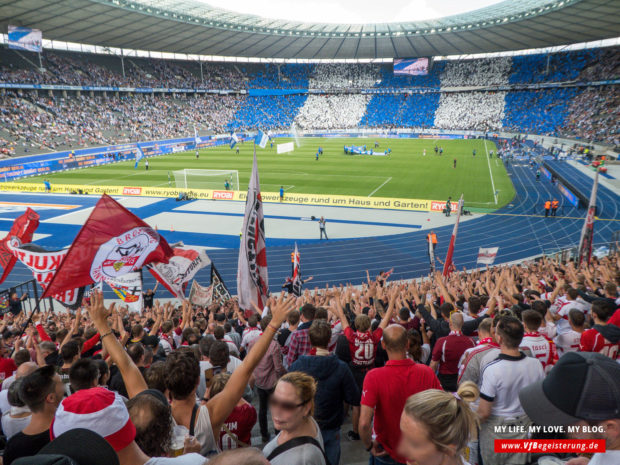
207 179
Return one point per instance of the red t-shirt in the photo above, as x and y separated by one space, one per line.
7 366
240 422
615 318
593 341
386 389
448 351
363 346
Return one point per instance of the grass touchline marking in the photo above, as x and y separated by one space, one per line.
386 181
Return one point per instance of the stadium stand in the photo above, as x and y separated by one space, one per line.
401 110
538 111
589 112
273 112
435 368
332 111
470 110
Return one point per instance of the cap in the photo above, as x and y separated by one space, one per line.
75 447
98 410
581 386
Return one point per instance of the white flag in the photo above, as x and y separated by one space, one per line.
297 282
252 278
486 256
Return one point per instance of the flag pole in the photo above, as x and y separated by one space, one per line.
587 232
23 329
447 266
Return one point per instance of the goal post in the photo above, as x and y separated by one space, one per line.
207 179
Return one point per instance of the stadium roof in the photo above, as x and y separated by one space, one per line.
186 26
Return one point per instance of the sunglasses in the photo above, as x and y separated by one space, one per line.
288 406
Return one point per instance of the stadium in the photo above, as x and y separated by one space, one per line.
282 143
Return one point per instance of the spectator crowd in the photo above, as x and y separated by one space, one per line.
31 122
430 372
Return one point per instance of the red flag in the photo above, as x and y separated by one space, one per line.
112 243
448 265
23 228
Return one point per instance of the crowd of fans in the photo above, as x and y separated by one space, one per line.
401 111
44 123
31 123
332 111
594 114
480 72
427 371
470 110
335 76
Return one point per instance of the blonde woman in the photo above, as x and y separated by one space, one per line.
299 441
437 426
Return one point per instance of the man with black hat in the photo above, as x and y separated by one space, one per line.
583 390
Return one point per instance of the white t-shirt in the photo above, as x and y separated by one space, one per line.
4 402
504 377
306 454
187 459
249 336
203 432
12 426
6 384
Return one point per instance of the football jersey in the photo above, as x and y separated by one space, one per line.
541 348
593 341
567 342
363 346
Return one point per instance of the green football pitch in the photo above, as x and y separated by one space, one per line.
405 173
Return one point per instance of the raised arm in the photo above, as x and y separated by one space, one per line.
134 382
223 403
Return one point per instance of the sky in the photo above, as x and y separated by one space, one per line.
351 11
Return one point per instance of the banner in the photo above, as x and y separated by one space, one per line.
486 256
180 269
285 148
211 194
252 276
218 287
24 38
44 265
200 295
112 243
23 229
128 288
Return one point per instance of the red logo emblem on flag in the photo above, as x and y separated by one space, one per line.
123 254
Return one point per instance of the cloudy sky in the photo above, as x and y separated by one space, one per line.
351 11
